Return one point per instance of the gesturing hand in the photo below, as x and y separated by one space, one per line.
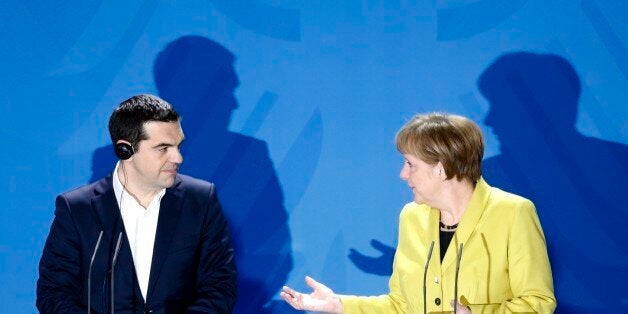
322 299
460 309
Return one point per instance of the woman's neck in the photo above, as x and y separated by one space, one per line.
455 200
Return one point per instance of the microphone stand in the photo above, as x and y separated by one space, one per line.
113 267
427 263
458 258
89 274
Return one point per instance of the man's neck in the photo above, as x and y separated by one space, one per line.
142 195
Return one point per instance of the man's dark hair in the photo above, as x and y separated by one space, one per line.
127 121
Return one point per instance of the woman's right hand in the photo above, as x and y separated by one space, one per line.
322 299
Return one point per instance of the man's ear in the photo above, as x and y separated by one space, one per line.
123 149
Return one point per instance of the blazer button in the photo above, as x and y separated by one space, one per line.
437 301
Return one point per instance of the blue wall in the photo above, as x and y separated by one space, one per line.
292 106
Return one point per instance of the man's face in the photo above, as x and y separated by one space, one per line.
156 161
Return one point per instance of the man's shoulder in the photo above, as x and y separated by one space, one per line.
197 191
88 190
192 184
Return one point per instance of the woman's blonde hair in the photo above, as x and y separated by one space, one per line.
454 141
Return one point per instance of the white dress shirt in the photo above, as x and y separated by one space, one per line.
141 226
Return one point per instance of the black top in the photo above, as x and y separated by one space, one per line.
445 239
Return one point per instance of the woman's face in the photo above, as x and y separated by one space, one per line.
424 179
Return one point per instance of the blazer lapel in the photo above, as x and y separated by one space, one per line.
468 223
169 214
107 209
432 232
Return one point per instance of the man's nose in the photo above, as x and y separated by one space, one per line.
176 156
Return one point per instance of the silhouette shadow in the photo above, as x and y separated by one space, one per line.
575 181
197 76
379 265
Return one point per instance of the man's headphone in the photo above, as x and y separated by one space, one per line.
123 150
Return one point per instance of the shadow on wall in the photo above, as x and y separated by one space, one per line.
197 76
575 181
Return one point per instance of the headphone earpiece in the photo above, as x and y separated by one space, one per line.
124 150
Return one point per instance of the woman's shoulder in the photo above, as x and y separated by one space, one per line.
414 214
412 208
500 199
504 210
505 204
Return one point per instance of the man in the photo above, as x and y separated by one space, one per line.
175 253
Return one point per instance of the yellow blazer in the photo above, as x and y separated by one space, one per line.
504 266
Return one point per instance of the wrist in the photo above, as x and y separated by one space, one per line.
337 304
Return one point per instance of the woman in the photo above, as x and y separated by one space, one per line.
503 267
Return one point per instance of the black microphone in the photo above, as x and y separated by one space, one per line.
89 274
427 263
458 258
113 267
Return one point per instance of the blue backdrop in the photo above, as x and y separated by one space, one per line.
291 107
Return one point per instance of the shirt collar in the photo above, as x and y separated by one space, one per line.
118 189
117 185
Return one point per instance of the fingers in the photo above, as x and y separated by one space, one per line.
314 284
292 297
288 291
310 281
322 299
460 308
